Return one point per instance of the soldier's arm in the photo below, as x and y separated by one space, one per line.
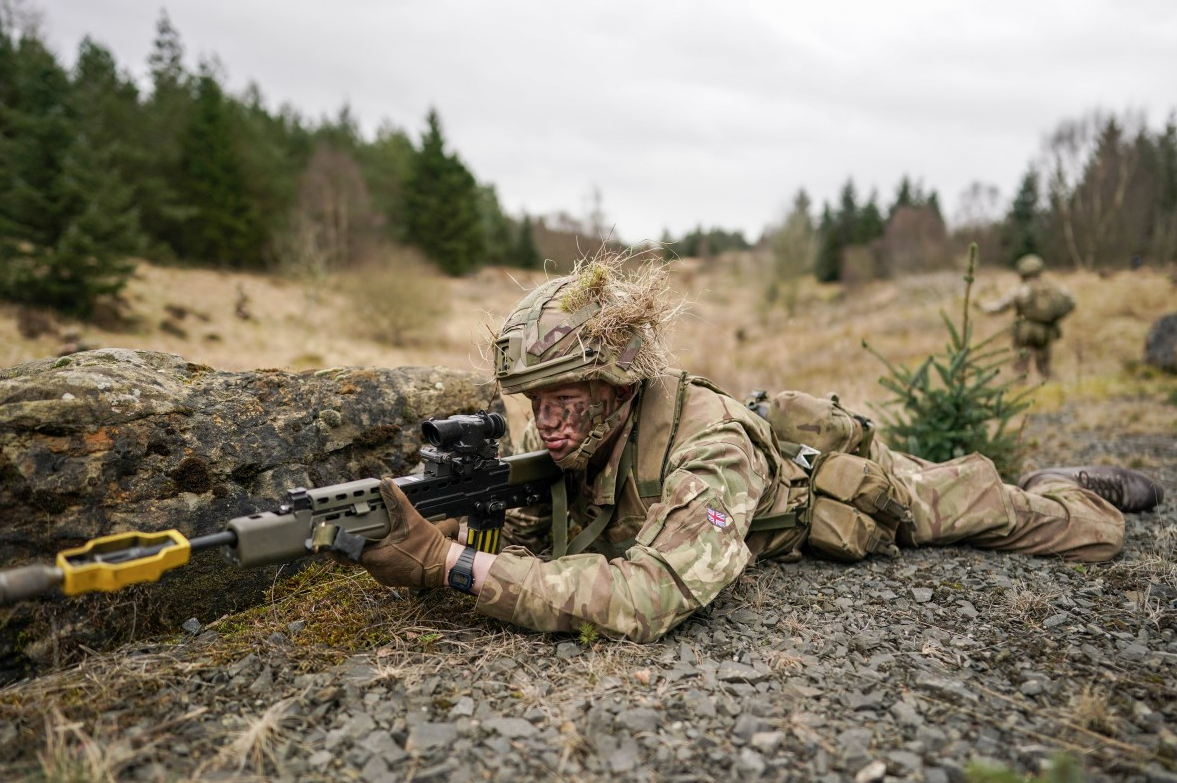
691 547
1001 305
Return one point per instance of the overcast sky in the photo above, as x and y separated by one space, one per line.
682 112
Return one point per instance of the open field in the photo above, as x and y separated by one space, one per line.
929 667
413 316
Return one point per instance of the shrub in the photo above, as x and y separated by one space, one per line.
952 404
397 299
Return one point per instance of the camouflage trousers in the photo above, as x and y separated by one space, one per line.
1032 341
964 501
1041 357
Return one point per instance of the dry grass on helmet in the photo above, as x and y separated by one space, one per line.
633 300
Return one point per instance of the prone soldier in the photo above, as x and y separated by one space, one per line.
671 488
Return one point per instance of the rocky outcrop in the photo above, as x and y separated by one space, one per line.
114 440
1160 346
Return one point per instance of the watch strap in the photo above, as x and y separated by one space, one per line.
462 574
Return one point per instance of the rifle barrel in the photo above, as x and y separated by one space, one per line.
23 582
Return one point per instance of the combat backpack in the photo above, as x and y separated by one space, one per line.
1047 303
853 507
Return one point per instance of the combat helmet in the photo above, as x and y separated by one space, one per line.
598 323
1030 265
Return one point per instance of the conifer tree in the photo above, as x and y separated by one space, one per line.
96 232
869 224
1023 224
66 220
272 150
165 115
954 403
496 229
35 130
105 102
904 196
526 254
827 267
223 227
442 215
387 163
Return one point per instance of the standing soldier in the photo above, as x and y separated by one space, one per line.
672 488
1039 304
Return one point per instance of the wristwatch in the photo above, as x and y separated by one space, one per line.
462 574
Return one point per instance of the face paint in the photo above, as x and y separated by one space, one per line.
573 419
563 416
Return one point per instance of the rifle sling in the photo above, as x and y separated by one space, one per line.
560 517
594 528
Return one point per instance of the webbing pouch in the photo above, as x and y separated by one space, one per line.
842 532
855 508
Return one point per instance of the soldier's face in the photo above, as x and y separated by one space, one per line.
563 414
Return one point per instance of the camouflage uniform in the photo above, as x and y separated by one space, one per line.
655 564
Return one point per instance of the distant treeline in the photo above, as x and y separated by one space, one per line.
1101 194
94 170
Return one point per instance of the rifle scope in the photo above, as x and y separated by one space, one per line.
464 432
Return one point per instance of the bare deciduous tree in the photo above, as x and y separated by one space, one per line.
978 219
1089 164
979 206
332 222
22 18
794 250
915 240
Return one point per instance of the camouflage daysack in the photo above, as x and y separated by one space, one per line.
1048 303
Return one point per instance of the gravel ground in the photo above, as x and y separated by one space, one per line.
922 668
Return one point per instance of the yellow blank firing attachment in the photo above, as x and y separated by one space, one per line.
115 561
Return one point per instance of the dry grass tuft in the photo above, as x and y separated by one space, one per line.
783 661
256 745
613 662
71 755
795 626
757 588
1029 606
1147 577
637 302
1091 709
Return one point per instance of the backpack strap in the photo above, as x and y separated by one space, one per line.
647 454
657 424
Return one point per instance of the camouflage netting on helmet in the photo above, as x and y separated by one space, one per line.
608 320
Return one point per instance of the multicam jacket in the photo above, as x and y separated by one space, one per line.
660 558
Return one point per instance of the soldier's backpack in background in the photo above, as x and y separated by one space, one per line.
1048 303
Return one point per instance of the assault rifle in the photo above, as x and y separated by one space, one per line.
463 477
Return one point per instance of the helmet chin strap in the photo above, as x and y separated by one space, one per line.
603 425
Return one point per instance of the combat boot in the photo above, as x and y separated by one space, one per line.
1127 490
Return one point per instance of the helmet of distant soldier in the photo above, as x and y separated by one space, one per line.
595 324
1030 265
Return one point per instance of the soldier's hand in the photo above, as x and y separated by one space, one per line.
413 553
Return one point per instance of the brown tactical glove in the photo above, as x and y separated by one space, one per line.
413 553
